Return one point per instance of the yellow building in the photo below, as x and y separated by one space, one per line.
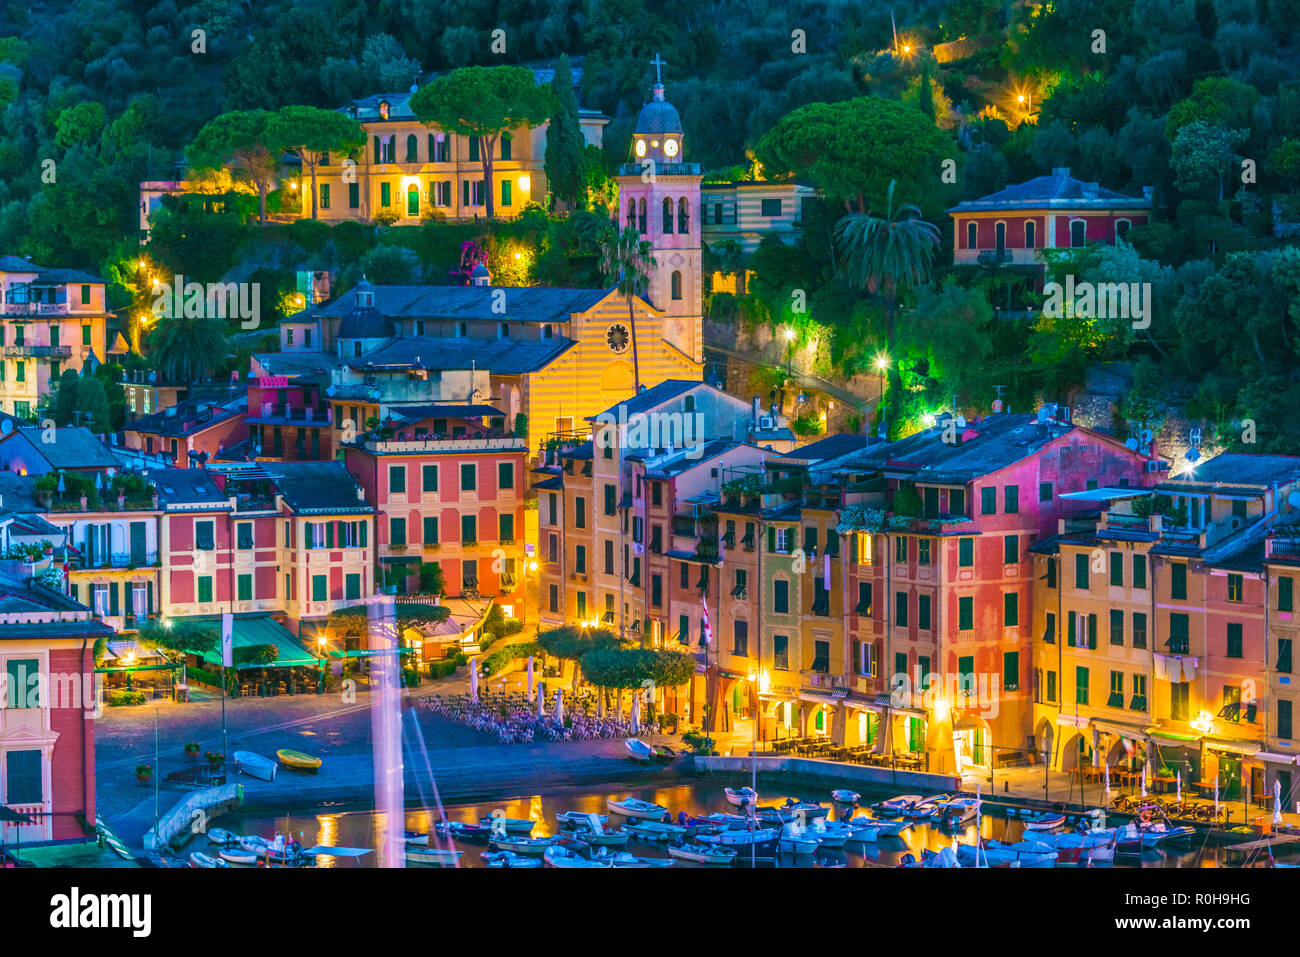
53 319
409 171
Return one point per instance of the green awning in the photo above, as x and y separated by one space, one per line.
262 630
370 652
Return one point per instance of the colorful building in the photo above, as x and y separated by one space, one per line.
447 499
54 319
47 723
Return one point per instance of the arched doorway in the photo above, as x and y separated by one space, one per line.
413 201
1044 736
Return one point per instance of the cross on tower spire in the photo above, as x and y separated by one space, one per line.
657 63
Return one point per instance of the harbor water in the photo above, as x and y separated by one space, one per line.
365 829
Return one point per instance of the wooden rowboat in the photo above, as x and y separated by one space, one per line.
296 759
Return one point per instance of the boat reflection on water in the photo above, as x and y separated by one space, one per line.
365 828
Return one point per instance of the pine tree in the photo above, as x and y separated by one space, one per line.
564 142
925 96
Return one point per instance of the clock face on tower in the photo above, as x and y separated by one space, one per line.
640 147
670 147
618 338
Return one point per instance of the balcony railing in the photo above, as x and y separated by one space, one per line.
121 560
39 352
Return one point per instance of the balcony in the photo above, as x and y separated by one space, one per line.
39 352
684 525
120 560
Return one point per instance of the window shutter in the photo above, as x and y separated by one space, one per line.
149 593
128 596
329 534
113 608
771 539
364 526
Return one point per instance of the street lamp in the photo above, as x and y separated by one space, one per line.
882 363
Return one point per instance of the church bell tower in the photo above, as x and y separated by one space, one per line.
659 195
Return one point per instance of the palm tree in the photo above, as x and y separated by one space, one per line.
188 348
879 252
626 258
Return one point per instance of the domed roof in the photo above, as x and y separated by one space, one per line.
366 322
658 116
479 270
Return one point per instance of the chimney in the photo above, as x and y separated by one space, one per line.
361 494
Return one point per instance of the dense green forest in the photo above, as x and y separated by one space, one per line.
1195 98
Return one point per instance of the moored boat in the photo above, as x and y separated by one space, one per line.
831 834
296 759
557 856
255 765
206 861
741 797
624 859
702 853
523 845
871 829
996 853
433 856
238 856
797 840
581 817
664 754
636 808
464 830
896 806
638 750
1042 820
845 796
654 830
808 809
511 825
222 837
953 812
509 860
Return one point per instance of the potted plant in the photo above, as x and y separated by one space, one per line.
192 750
143 772
215 759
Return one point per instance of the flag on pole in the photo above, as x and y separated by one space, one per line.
706 630
227 640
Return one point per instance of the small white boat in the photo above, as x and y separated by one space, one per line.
702 853
604 838
1043 821
923 808
953 812
724 820
638 750
654 831
1018 854
563 857
205 861
254 844
636 808
830 834
512 825
768 835
524 845
581 817
509 860
624 859
798 840
870 830
255 765
222 837
415 838
1081 849
740 797
237 855
465 830
895 806
845 796
433 856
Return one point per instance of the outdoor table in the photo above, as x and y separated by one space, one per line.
1163 785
